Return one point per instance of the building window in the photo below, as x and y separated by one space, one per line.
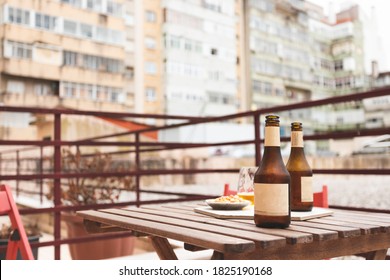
129 20
70 27
150 94
114 8
97 33
17 50
76 3
96 63
101 33
215 75
265 88
41 89
344 82
150 68
90 4
338 65
214 97
328 83
70 58
212 5
327 64
115 36
45 21
86 30
91 92
187 45
18 16
150 16
150 43
95 5
114 95
220 98
172 42
15 87
279 92
198 47
129 73
268 88
111 7
69 90
113 65
90 62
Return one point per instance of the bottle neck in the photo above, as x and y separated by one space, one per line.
296 139
272 136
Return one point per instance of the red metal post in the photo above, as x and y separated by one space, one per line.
137 168
57 184
41 173
78 164
257 139
17 172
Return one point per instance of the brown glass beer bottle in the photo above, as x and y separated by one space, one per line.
300 172
272 182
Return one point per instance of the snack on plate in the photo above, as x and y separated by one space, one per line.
229 199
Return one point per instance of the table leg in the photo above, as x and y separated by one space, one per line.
217 256
375 255
163 248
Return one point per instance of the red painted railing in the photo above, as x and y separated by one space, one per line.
138 147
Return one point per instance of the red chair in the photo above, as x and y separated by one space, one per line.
227 191
18 238
320 199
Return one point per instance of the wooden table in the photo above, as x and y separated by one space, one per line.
343 233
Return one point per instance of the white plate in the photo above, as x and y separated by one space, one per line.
227 205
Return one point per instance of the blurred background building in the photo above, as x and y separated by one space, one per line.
69 53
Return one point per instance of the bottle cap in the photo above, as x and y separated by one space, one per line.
272 119
296 125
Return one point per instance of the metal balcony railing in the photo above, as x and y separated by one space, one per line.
40 162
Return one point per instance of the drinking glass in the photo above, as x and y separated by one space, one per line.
245 183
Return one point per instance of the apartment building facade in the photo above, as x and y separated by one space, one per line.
297 54
149 72
279 53
64 52
200 57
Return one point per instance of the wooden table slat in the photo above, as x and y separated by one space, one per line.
318 234
342 231
173 209
292 237
364 228
262 240
352 230
379 217
196 237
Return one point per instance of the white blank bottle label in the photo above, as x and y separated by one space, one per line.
307 189
297 139
271 199
272 136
